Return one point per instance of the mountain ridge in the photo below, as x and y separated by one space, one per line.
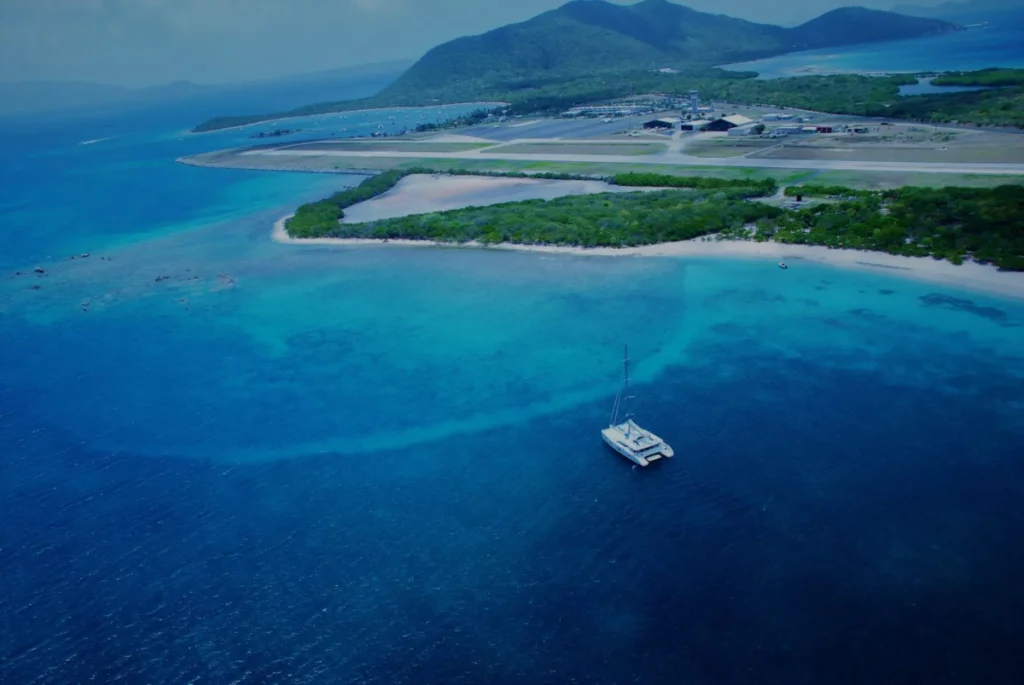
584 36
602 46
956 9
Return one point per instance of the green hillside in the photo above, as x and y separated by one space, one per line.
587 36
994 77
536 64
850 25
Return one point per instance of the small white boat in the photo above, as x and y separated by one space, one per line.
628 439
782 265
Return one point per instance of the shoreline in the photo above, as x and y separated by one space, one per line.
969 276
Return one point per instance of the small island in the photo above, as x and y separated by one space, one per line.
952 223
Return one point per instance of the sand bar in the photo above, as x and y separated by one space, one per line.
422 194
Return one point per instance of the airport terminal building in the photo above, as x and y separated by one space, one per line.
663 124
726 123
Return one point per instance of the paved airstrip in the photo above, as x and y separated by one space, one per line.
673 154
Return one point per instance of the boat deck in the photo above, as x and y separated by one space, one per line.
635 443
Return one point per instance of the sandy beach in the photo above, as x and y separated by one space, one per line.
970 276
422 194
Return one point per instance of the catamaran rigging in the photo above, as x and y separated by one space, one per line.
628 439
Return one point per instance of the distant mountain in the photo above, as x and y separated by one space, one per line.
959 9
849 25
585 36
592 50
588 35
28 97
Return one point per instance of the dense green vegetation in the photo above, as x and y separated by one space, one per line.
758 188
986 224
852 94
952 223
872 96
841 94
315 218
982 77
844 93
610 219
813 190
320 218
1000 107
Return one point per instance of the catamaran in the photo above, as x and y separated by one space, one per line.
628 439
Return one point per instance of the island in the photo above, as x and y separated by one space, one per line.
953 223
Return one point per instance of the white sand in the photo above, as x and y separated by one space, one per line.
979 277
420 194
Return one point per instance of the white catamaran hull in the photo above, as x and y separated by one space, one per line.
616 439
628 439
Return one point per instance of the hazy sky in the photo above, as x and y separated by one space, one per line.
141 42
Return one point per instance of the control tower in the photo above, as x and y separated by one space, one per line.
694 103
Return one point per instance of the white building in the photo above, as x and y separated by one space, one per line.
786 130
726 123
604 111
745 130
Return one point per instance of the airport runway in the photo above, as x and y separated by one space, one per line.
551 129
670 157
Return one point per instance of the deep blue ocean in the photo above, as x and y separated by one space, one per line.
228 460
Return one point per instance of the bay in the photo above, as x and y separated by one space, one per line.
225 458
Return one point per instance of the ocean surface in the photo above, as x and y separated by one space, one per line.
998 43
228 460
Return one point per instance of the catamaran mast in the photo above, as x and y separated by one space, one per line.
623 394
620 394
625 387
625 365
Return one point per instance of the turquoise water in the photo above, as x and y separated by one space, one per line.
1000 44
60 197
227 459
